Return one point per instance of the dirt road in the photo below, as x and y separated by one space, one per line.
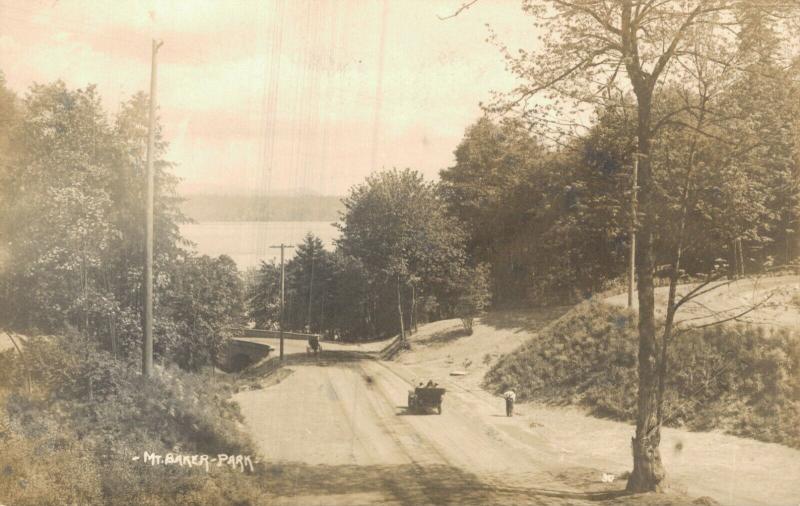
335 430
295 346
344 422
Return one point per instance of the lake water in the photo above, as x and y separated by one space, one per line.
248 242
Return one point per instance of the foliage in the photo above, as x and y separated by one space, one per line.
599 53
347 302
473 295
264 295
740 379
485 191
206 301
309 274
73 440
557 229
71 196
396 225
325 292
399 249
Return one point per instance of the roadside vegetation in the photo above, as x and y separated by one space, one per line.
72 437
74 410
71 218
743 380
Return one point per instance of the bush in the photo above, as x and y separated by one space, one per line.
73 439
741 379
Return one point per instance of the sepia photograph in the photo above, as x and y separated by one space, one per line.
400 252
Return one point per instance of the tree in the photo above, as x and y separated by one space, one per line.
397 227
308 279
473 294
485 191
9 115
9 118
593 50
59 204
204 298
551 223
264 295
326 292
71 193
348 312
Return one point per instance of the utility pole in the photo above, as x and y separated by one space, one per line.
632 254
283 285
147 345
310 291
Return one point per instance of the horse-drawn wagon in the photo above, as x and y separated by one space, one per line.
313 345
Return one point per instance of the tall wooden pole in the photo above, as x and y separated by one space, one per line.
283 288
400 311
147 345
283 285
310 291
632 254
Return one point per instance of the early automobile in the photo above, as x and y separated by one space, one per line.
423 398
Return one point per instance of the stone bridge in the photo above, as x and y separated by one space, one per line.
245 349
240 353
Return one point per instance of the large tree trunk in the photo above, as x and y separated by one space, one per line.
648 471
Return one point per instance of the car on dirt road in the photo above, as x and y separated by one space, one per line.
423 398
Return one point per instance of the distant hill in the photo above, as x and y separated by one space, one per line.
262 208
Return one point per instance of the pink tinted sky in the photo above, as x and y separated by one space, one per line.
284 95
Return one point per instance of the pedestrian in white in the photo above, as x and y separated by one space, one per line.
510 398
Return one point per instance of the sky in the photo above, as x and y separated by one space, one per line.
278 96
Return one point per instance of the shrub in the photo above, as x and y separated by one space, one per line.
72 440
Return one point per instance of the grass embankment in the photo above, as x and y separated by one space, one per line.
744 380
73 439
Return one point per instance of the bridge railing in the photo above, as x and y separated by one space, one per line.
274 334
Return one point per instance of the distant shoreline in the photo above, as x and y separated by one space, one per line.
237 208
248 242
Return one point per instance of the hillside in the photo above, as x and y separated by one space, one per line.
742 377
744 380
78 432
773 299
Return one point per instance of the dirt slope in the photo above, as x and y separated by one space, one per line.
772 298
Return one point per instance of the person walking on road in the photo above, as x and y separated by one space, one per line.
510 398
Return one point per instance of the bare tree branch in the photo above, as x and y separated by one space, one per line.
698 290
458 11
735 317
